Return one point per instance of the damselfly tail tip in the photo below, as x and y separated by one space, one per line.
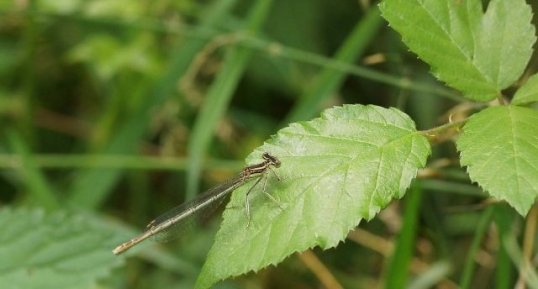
131 243
120 249
116 251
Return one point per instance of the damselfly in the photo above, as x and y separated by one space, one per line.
178 215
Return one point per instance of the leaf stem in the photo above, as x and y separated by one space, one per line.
434 133
501 99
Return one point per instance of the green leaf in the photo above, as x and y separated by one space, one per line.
528 92
479 54
53 251
336 170
499 146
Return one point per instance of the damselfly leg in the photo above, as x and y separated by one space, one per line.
264 191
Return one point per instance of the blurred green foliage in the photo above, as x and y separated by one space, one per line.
100 100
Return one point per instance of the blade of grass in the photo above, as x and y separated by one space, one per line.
92 186
437 272
398 267
275 49
504 219
452 187
468 268
74 161
39 189
218 97
329 81
30 47
434 221
272 49
529 237
530 276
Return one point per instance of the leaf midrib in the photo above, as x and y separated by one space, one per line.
455 43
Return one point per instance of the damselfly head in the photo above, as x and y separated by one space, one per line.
271 159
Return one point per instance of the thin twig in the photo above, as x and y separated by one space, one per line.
320 270
385 248
434 133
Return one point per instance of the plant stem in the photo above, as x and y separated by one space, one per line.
434 133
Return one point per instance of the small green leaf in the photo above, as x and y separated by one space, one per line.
528 92
53 251
336 170
479 54
499 146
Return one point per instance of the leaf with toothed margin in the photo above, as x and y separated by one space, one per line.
499 146
479 53
336 170
528 92
54 250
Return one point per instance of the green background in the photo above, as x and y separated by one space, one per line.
124 109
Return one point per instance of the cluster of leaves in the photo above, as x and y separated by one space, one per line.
351 162
481 54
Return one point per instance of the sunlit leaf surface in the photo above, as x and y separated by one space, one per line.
478 53
336 170
499 146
